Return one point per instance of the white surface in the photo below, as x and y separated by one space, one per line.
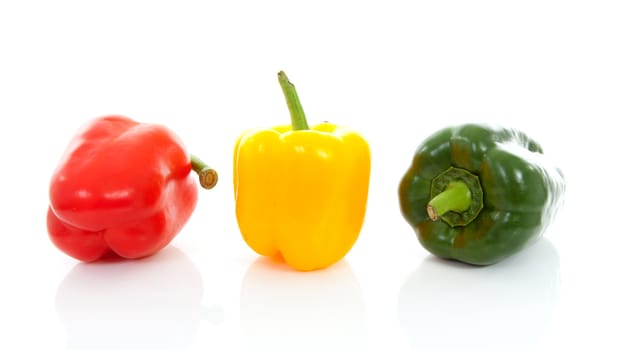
396 71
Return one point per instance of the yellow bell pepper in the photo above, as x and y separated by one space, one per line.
300 192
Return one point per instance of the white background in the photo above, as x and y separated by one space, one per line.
395 71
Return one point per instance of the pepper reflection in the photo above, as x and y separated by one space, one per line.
153 303
447 305
285 309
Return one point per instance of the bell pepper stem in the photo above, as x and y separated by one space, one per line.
298 117
206 176
456 197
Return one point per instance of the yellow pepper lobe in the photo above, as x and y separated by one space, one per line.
255 193
301 194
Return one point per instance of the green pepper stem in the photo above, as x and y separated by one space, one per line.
298 117
206 176
456 197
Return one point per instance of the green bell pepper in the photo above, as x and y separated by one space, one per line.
479 193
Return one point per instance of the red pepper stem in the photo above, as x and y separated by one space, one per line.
207 176
298 117
456 197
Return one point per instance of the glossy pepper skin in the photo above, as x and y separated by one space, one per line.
122 187
301 192
511 193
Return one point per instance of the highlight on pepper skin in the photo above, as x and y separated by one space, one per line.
123 188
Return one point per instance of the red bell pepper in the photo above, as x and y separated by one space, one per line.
122 187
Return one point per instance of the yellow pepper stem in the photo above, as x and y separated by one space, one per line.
297 115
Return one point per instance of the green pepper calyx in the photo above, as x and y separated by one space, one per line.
456 197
